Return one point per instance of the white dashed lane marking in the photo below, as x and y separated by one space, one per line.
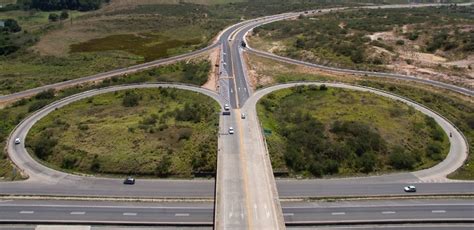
78 213
181 214
438 211
288 214
388 212
27 212
129 214
338 213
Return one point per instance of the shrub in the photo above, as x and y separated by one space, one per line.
43 146
47 94
53 17
400 42
130 99
401 159
37 105
64 15
184 134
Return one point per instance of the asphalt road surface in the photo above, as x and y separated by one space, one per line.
248 187
88 212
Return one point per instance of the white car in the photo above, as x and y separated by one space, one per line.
17 141
242 115
231 130
226 107
410 188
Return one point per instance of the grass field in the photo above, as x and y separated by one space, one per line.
455 107
167 133
343 132
430 42
193 72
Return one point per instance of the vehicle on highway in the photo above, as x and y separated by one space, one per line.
17 141
226 113
242 115
410 188
129 180
231 130
226 107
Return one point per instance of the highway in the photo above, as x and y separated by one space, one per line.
439 84
295 213
247 194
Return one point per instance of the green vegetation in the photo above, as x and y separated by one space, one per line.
332 131
190 72
159 132
342 38
457 108
144 45
49 5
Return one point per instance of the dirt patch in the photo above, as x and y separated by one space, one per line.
254 69
382 36
214 58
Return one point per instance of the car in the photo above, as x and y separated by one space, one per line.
129 180
17 141
231 130
226 107
410 188
242 115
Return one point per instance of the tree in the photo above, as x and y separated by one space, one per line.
64 15
130 99
401 159
53 17
47 94
367 162
299 43
163 167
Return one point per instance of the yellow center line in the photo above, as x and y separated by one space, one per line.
243 162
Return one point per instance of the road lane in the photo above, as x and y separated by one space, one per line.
201 213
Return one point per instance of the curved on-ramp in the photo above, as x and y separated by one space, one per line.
458 144
39 172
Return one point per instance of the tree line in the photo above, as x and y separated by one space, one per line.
49 5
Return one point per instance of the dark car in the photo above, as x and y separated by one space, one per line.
129 180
